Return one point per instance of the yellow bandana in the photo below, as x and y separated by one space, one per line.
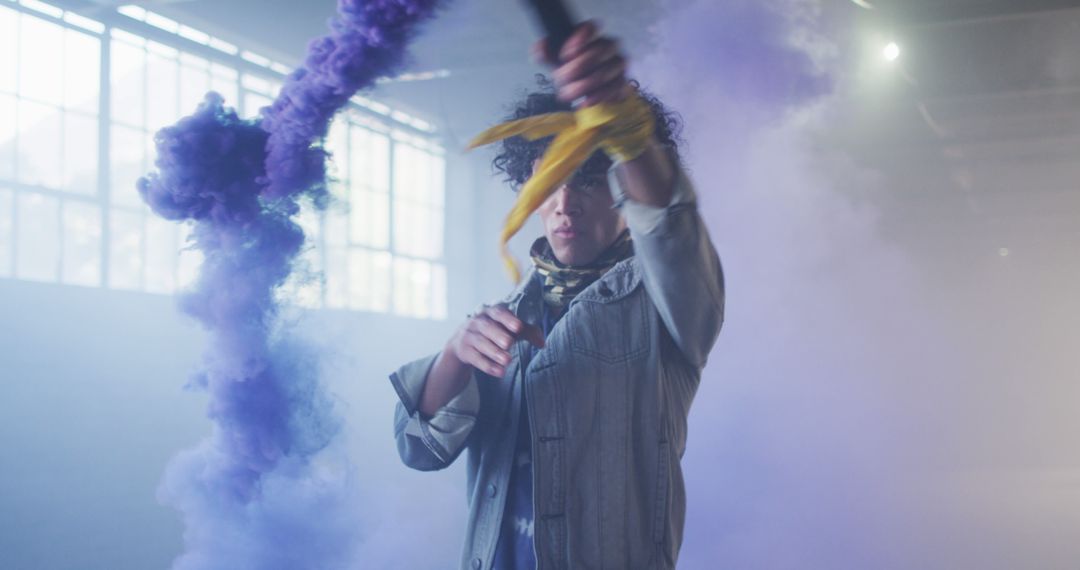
623 130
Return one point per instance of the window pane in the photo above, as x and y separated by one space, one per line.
127 71
226 82
150 154
417 230
402 286
9 52
41 60
80 153
369 280
194 83
82 69
38 241
436 183
257 84
404 223
7 243
369 160
359 274
336 225
82 244
432 234
370 215
412 287
224 72
125 249
408 173
163 92
337 278
127 164
418 175
421 288
337 143
418 197
38 154
438 291
161 254
253 102
7 136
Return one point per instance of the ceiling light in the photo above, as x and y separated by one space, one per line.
892 51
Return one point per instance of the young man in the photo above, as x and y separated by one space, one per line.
572 394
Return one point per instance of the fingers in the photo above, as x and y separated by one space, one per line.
613 92
477 359
601 52
484 342
520 329
540 54
502 315
592 70
599 83
576 43
583 34
498 328
494 331
495 356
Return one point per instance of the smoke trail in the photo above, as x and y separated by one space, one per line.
794 458
862 409
258 493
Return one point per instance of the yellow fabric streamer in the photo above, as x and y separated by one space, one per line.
623 130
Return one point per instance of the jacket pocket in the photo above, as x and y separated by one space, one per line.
611 332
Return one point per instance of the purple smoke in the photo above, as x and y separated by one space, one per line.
749 43
257 494
842 420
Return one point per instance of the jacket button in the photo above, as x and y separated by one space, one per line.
491 489
604 290
476 563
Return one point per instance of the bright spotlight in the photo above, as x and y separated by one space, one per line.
892 51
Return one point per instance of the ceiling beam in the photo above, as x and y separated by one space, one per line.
934 13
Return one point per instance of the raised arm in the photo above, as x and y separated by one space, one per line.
682 271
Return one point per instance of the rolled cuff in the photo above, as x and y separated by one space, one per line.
643 218
443 435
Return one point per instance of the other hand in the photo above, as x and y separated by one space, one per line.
484 341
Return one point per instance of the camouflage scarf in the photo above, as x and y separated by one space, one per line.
563 282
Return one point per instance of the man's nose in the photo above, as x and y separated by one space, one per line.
567 202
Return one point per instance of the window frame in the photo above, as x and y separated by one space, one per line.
249 70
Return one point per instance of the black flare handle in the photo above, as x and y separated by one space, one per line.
557 22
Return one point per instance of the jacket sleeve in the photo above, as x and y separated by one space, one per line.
428 444
681 269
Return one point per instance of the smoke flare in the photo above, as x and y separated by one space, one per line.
255 494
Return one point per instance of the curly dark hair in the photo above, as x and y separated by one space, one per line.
516 155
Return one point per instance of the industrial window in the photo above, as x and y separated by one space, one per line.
73 141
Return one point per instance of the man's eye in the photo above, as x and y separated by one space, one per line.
588 188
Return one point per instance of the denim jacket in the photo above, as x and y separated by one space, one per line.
608 400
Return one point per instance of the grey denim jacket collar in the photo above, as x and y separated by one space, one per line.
616 283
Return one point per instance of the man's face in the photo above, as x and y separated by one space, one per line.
579 221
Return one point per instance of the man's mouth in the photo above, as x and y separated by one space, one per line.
566 232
